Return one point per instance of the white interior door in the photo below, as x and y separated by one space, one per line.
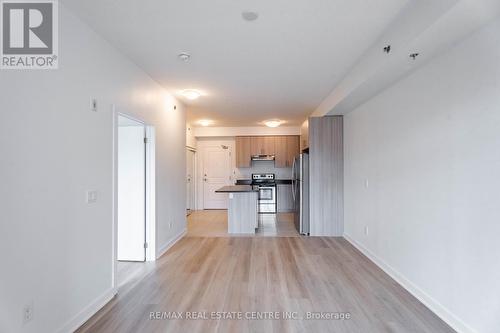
190 181
216 174
131 192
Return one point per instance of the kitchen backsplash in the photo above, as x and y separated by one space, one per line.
263 167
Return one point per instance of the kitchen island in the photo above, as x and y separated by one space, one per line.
242 212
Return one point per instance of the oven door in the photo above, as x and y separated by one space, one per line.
267 199
267 194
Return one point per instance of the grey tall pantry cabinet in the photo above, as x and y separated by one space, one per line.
326 176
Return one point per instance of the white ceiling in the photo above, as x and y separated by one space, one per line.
428 27
281 66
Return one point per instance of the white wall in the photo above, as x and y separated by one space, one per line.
190 138
56 249
430 149
263 167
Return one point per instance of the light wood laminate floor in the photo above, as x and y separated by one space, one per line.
266 274
213 223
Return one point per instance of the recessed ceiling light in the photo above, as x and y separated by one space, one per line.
205 122
191 94
184 56
249 16
273 123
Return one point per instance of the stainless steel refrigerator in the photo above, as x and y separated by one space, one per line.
300 193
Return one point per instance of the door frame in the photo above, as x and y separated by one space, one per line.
194 176
150 191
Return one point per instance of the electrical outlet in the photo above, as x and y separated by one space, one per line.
170 225
91 196
366 230
28 313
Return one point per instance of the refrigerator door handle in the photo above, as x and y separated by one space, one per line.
293 179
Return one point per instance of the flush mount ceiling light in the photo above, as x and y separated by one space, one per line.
249 16
205 122
273 123
191 94
184 56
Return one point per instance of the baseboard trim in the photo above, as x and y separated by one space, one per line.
171 243
433 305
90 310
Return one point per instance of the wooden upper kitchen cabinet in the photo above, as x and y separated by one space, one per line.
263 145
269 145
284 148
292 149
257 145
287 147
280 157
243 151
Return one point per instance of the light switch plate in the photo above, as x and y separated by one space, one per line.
91 196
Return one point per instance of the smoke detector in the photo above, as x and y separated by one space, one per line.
184 56
249 16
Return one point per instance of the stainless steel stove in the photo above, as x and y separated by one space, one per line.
266 184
